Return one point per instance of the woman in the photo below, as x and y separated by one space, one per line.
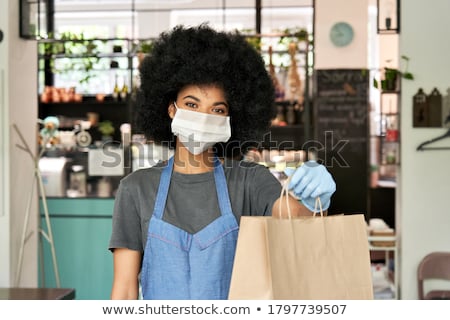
175 225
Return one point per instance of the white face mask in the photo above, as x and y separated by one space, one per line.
198 131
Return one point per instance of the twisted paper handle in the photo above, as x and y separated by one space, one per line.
318 203
285 193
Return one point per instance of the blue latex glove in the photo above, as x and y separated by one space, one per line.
310 181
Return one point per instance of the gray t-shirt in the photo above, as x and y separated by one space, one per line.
192 200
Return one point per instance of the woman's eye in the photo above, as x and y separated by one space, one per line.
219 110
191 105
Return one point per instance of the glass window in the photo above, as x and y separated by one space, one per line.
98 70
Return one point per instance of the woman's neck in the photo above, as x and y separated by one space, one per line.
188 163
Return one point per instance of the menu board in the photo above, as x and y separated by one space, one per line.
341 111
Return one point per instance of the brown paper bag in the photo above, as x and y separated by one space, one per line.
318 258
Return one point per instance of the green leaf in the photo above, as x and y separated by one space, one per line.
375 83
408 75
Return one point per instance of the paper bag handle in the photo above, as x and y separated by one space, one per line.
285 193
318 204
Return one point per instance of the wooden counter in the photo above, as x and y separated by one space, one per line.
37 294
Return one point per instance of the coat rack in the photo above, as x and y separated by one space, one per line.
47 235
422 147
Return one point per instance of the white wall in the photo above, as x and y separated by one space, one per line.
425 176
4 147
18 89
327 13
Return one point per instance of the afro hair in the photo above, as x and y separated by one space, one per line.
197 56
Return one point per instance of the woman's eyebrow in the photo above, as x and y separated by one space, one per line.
198 100
192 97
220 103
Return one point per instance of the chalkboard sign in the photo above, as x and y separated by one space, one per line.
341 111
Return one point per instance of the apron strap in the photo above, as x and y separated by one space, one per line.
163 190
222 188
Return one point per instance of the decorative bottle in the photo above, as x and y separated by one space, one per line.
294 82
116 90
279 90
124 91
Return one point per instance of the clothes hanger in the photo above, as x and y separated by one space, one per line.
445 135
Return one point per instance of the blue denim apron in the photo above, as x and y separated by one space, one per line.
180 265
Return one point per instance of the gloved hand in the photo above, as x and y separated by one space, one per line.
310 181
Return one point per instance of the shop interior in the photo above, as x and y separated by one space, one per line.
347 117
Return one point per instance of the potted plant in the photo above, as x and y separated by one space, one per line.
144 48
374 175
106 128
251 37
296 34
390 76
